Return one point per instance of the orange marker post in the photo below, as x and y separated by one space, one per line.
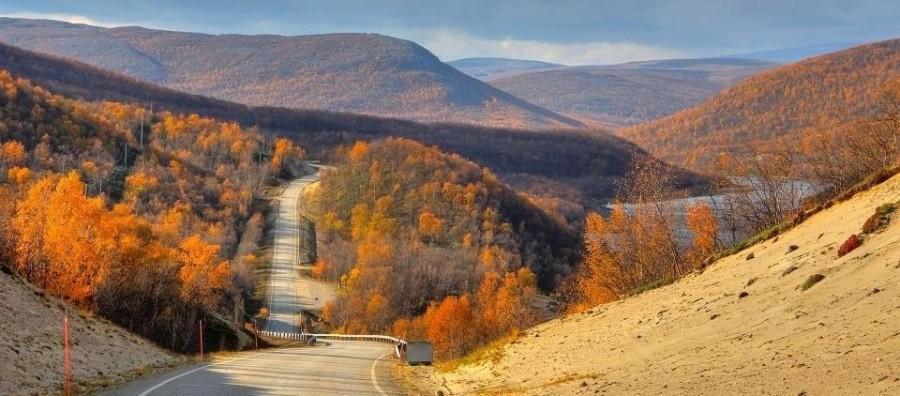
66 355
201 340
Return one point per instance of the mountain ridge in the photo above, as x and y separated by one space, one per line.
628 93
355 72
764 110
489 68
575 166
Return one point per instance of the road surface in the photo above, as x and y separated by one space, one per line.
283 302
338 368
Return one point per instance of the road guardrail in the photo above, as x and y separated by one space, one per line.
398 343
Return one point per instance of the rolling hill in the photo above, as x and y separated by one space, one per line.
629 93
579 167
362 73
747 324
774 108
793 54
486 69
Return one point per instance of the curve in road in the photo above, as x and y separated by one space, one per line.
337 368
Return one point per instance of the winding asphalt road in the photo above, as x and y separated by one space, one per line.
329 368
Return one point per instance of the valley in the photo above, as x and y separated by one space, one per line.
449 198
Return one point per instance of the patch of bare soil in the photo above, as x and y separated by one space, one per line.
31 345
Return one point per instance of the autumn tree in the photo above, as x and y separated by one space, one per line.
202 273
430 226
284 151
19 175
450 326
12 153
703 225
600 278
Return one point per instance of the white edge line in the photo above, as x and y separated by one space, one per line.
186 373
374 377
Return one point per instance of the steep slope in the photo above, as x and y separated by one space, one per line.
364 73
704 335
774 107
629 93
575 166
32 348
486 69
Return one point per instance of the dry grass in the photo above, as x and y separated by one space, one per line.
491 352
103 354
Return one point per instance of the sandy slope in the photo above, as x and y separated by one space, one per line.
842 336
31 348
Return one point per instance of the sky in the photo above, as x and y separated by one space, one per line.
563 31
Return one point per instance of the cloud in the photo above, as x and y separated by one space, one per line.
71 18
449 44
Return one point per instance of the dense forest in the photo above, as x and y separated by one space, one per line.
775 108
566 168
414 235
148 219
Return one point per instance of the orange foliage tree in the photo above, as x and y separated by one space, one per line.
703 224
415 234
102 213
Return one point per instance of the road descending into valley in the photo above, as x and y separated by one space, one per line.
328 368
284 301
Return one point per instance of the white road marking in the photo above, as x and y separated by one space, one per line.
375 377
186 373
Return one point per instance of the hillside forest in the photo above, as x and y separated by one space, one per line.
426 245
154 220
775 108
148 219
420 240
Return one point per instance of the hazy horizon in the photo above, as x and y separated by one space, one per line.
574 33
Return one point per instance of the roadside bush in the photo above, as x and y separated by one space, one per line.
849 245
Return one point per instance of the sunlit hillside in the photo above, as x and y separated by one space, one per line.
363 73
775 109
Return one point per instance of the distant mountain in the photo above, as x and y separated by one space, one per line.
486 69
364 73
583 168
774 108
788 55
629 93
